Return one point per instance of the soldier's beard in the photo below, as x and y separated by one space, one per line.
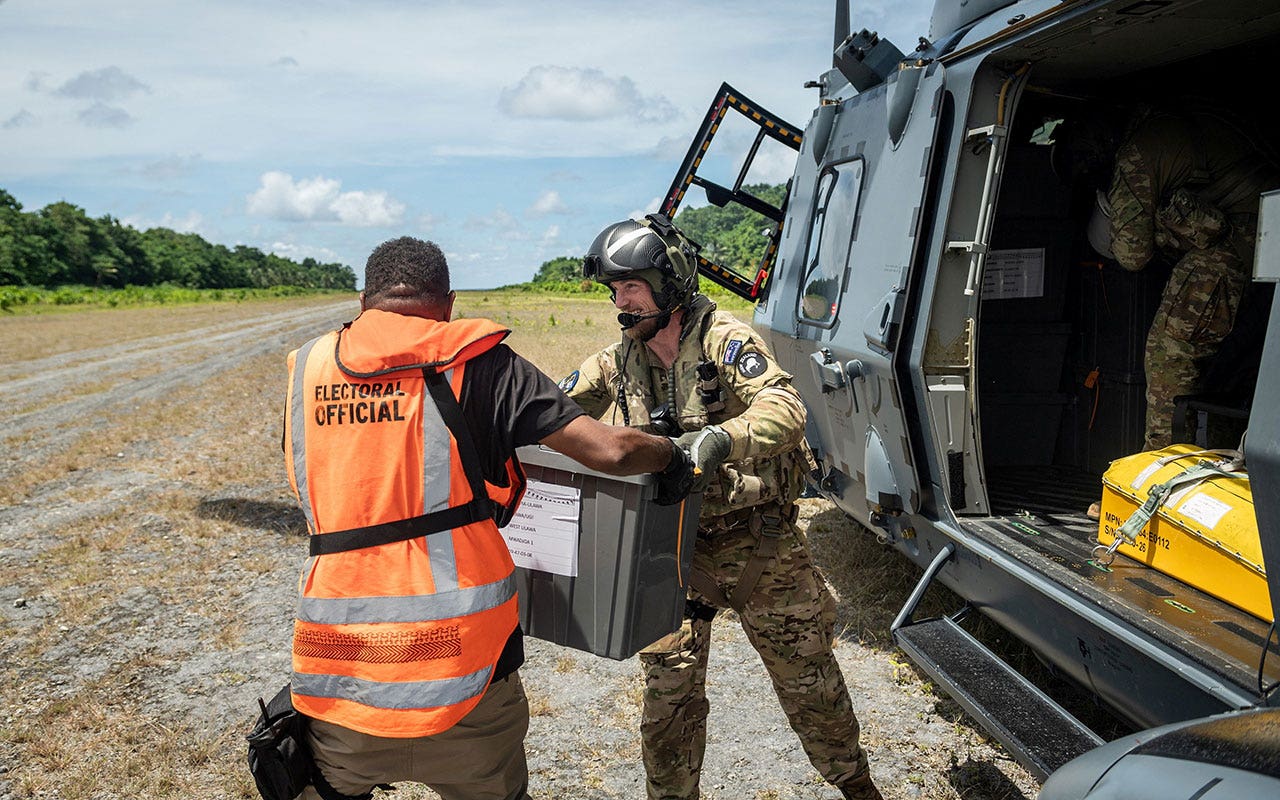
646 329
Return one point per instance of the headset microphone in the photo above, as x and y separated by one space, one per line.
627 320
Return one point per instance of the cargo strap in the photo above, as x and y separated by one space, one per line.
767 529
1127 533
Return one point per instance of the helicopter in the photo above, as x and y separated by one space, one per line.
973 368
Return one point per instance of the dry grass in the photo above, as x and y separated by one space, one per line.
172 541
208 448
554 332
175 511
101 740
24 337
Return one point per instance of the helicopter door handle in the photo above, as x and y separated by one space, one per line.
833 376
829 372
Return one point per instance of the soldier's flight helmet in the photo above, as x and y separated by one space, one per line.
651 250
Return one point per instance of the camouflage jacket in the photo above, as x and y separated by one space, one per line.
763 414
1179 181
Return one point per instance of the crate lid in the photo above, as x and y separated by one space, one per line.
541 456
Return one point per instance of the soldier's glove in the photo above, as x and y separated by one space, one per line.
708 448
675 482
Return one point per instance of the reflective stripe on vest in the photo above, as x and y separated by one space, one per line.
419 608
406 695
396 639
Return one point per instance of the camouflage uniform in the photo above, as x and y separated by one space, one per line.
789 615
1186 187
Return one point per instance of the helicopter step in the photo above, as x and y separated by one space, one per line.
1041 734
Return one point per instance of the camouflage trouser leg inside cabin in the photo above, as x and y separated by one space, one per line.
1196 313
789 619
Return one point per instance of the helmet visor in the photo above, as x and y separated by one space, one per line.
606 270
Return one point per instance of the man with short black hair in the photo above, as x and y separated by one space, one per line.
400 434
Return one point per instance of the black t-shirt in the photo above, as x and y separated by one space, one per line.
509 403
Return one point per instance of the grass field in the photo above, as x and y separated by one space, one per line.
149 548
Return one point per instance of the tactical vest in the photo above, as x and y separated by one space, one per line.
409 596
738 484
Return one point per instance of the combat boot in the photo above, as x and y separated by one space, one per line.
862 789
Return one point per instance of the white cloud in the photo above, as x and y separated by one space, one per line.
101 115
428 222
108 83
572 93
169 167
551 236
548 202
36 81
297 252
192 222
279 197
20 120
771 165
671 148
500 220
650 208
367 209
288 62
321 199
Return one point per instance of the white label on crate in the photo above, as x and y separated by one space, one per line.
1208 511
1008 274
543 534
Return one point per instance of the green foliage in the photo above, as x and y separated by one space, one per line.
730 236
35 299
575 286
60 245
561 270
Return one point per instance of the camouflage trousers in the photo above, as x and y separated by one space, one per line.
789 618
1197 311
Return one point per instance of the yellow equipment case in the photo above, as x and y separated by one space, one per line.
1204 533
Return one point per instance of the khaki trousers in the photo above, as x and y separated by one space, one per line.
480 758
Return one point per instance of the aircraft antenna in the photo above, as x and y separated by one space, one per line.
842 26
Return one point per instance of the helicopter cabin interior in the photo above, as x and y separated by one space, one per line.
1063 330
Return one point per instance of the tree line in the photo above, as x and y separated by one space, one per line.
730 236
60 245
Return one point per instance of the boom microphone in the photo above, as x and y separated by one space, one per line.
627 320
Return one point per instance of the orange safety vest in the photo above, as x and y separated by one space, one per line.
409 595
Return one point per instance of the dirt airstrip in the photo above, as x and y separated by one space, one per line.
149 550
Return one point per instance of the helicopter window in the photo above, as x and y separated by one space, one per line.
828 254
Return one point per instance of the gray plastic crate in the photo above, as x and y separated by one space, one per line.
633 563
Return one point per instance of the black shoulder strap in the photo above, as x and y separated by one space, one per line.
480 508
451 413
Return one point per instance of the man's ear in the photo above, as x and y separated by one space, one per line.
362 300
448 306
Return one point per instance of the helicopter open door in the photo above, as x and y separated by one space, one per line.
857 227
750 285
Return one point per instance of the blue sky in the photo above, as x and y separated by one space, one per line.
509 133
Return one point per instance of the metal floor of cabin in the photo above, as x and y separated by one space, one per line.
1040 512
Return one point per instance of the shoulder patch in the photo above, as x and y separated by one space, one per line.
731 353
752 365
569 381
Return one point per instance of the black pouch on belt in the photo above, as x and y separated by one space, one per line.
278 756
